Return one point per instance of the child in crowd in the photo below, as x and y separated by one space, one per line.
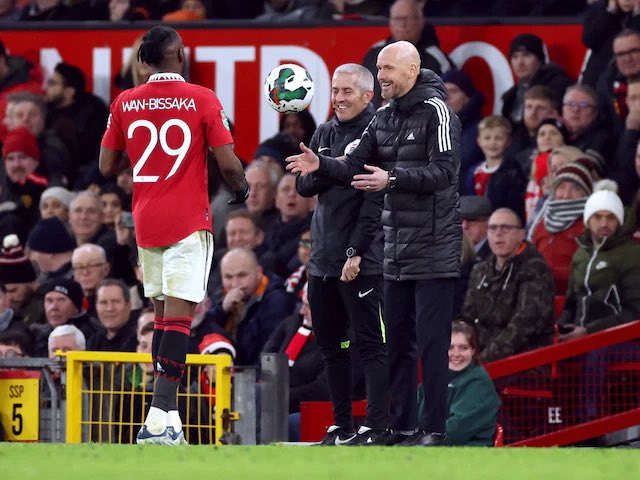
497 178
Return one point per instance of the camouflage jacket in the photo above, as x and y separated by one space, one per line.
511 308
604 286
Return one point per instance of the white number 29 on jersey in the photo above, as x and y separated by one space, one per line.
179 152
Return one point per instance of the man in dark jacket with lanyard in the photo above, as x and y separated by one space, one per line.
415 141
345 282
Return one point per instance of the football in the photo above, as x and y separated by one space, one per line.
288 88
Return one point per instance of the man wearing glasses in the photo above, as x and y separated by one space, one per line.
589 129
90 267
511 293
613 83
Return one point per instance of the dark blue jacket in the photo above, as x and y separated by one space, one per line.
261 318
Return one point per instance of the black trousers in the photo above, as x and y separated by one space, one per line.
335 306
418 316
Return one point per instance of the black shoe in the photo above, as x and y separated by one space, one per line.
394 438
424 439
369 437
337 436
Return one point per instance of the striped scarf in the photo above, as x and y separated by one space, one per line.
561 214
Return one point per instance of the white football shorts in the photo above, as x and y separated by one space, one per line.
180 270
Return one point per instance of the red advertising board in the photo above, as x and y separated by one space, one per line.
235 61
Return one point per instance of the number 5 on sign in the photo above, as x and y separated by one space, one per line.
19 405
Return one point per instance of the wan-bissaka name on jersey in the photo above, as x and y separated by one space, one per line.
159 104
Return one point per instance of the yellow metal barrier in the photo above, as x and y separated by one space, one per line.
108 394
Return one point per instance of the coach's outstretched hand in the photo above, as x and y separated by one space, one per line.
239 197
305 163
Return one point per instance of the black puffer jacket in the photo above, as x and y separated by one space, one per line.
419 136
345 217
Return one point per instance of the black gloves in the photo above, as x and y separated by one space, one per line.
239 197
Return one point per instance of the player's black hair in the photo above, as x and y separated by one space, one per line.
155 43
3 51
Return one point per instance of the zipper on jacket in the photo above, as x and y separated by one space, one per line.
396 149
586 283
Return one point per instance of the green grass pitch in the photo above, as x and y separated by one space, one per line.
116 462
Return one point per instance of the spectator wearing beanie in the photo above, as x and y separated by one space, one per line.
467 103
18 276
528 60
50 248
63 305
21 156
55 202
605 272
555 235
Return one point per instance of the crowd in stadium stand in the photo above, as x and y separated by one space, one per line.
549 189
269 10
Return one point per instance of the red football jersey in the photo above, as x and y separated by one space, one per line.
166 126
481 176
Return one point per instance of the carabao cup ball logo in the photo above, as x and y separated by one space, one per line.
289 88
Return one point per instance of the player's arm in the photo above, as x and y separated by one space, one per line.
232 172
113 158
112 162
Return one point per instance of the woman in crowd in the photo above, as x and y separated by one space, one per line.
54 202
472 399
113 200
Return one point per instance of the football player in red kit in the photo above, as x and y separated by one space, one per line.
166 126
